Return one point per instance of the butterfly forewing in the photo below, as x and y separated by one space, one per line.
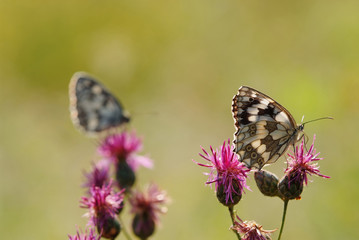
92 107
265 129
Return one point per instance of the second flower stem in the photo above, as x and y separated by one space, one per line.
231 212
127 235
283 218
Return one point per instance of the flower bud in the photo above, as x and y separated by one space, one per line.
143 225
125 176
109 228
267 183
222 195
290 187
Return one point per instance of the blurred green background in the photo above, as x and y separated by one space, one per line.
176 65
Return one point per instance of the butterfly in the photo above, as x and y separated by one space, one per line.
93 108
264 128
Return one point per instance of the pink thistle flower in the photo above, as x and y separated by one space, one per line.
227 172
123 147
87 235
147 206
103 204
251 230
150 201
301 164
99 175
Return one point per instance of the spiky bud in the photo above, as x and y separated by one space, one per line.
267 183
109 228
223 198
290 187
143 225
125 175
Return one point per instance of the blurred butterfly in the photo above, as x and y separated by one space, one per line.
265 129
92 107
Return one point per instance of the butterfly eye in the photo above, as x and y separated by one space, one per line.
252 127
253 155
249 148
260 161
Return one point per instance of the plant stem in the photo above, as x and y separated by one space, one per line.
283 218
231 213
127 235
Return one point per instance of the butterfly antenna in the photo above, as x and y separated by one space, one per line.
316 119
306 140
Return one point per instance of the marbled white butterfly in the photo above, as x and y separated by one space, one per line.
265 129
92 107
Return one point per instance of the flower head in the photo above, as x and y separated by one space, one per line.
147 206
151 201
91 235
226 171
99 175
103 204
251 230
301 164
123 147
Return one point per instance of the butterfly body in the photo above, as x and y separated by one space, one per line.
265 129
92 107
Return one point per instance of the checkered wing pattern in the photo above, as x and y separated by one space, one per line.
93 108
264 128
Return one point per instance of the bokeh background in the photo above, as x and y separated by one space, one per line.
176 65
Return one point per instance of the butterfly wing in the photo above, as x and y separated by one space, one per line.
92 107
265 129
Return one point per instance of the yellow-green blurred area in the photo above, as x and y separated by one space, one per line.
175 65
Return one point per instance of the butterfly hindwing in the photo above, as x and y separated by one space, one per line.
265 129
92 107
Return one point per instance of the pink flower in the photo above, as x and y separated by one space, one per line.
123 147
151 201
301 164
251 230
147 206
227 172
99 175
91 235
103 204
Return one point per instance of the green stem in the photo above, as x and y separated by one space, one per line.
231 213
127 235
283 218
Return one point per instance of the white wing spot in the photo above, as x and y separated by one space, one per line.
282 117
265 155
252 110
93 123
261 149
264 102
256 143
253 118
277 134
96 89
245 99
